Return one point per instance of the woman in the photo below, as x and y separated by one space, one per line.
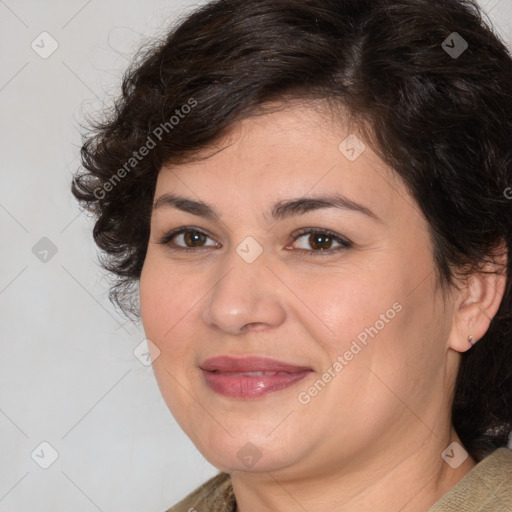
311 201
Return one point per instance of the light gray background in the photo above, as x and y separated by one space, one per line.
68 375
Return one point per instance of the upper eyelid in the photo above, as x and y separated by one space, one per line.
180 231
166 238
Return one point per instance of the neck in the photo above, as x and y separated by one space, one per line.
411 477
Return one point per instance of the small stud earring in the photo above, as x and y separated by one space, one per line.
471 341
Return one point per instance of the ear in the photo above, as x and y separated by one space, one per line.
477 301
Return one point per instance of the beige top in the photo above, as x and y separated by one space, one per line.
486 488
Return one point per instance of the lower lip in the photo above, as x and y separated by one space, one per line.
248 386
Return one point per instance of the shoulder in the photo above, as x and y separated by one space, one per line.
215 495
486 488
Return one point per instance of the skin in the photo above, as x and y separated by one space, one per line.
372 438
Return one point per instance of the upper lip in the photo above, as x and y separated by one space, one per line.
249 364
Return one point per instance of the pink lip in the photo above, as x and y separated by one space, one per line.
224 375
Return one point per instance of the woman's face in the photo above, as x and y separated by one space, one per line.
354 315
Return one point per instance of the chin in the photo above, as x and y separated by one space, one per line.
248 460
246 452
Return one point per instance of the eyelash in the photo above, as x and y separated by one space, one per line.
344 243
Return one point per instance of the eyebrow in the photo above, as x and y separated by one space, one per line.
280 210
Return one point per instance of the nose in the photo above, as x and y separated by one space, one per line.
246 298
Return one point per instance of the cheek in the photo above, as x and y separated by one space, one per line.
154 302
167 296
168 302
347 305
383 322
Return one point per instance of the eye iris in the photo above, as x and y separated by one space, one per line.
194 237
318 240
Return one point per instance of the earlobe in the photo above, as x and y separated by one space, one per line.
478 301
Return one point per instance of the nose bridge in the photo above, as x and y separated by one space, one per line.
245 294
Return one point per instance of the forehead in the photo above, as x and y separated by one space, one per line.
288 153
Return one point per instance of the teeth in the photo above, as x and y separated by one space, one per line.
257 374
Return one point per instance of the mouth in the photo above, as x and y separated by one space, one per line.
250 377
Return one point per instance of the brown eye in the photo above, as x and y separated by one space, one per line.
194 238
187 239
320 241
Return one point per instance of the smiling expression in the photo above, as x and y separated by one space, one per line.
282 247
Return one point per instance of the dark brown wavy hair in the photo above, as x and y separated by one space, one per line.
438 112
